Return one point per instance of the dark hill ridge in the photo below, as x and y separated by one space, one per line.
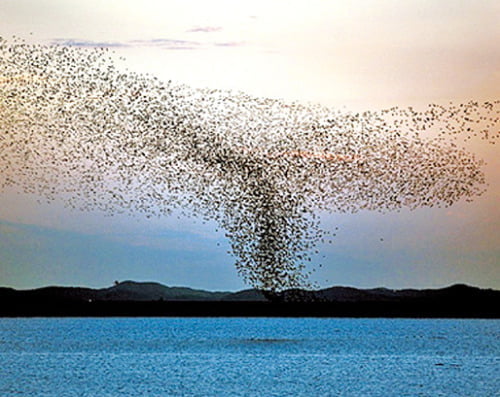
346 294
131 298
151 291
124 291
130 290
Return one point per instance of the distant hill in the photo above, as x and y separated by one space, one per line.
246 295
456 300
124 291
134 291
150 291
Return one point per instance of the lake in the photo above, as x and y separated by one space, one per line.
249 357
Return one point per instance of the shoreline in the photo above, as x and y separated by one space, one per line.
424 309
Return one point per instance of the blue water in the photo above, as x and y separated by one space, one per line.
249 357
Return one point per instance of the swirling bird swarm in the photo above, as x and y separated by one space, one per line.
75 126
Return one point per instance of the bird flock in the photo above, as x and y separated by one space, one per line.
75 126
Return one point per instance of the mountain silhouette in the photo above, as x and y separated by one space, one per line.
150 298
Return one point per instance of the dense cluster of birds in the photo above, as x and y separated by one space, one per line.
75 126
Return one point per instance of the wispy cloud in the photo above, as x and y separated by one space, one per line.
169 44
230 44
204 29
89 43
9 229
162 43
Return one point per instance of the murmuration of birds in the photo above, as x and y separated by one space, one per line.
76 127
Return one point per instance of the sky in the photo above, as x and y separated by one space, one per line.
352 55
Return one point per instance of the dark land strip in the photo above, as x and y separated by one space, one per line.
132 299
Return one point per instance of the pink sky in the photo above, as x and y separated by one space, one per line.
353 55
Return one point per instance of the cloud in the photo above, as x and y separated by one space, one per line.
204 29
88 43
162 43
230 44
169 44
8 229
